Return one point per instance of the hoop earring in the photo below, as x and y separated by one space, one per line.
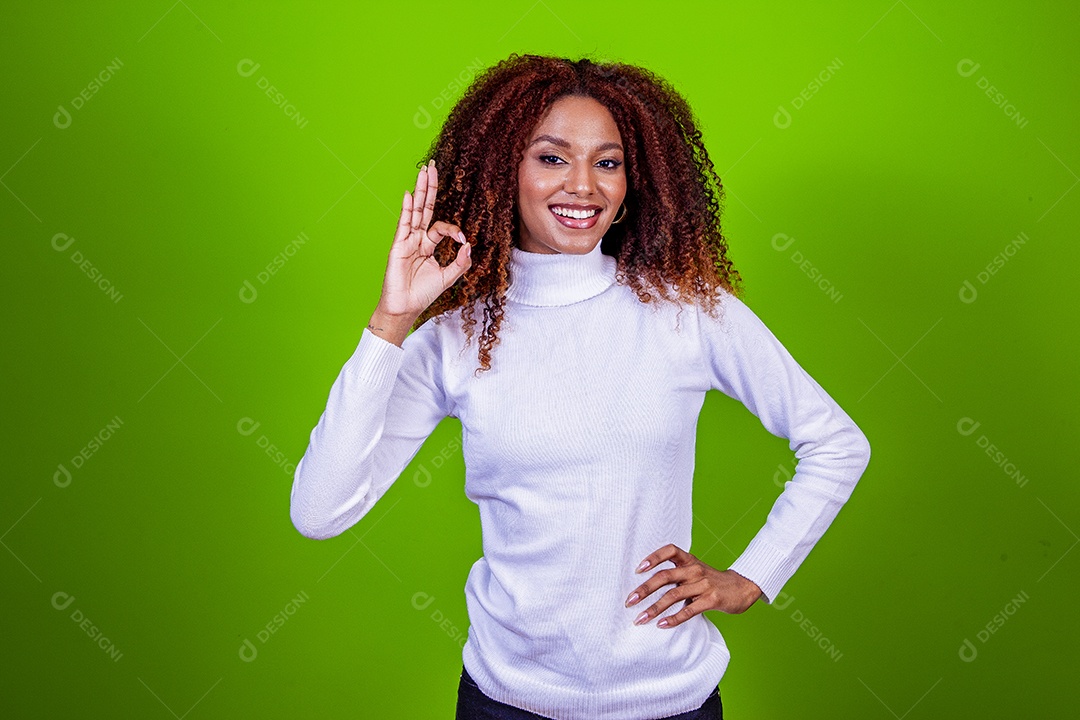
622 217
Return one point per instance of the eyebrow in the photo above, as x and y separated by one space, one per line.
562 143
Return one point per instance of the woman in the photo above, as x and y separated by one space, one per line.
585 214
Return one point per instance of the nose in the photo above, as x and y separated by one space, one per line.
580 179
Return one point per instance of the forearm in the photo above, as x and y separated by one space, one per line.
392 328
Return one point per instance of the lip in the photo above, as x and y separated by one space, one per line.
575 206
574 223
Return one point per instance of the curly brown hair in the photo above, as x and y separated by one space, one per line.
671 234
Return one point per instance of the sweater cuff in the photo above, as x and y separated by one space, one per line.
375 360
765 566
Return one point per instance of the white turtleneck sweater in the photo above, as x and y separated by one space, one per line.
579 451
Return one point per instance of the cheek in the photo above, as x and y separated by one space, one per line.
531 197
616 187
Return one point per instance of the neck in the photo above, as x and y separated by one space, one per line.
549 280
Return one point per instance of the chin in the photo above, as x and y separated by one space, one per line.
581 247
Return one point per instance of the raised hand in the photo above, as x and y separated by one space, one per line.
414 278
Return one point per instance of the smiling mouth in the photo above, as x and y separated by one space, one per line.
575 218
574 214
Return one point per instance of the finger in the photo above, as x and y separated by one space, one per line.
668 576
439 230
462 262
404 220
666 600
668 552
419 197
686 591
678 618
456 268
432 192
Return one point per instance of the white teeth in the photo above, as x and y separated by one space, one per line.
576 214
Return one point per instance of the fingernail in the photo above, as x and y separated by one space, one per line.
644 564
662 623
641 618
632 599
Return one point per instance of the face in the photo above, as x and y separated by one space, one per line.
573 163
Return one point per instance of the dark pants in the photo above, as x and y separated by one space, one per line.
473 704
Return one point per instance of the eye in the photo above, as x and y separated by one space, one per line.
613 163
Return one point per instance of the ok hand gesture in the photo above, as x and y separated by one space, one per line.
414 278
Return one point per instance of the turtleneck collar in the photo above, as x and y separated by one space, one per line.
549 280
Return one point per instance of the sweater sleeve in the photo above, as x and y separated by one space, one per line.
747 362
383 405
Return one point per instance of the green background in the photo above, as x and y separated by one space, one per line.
180 180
